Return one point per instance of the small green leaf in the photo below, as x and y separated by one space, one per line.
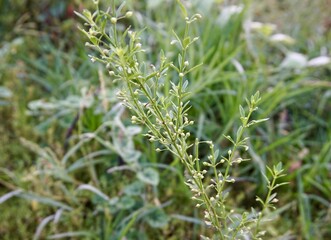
180 57
242 111
185 84
186 42
149 176
157 218
82 16
257 96
280 184
94 40
253 122
125 202
134 189
193 68
272 197
229 138
258 199
239 132
113 201
87 14
270 171
217 152
278 168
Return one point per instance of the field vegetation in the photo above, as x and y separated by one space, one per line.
165 119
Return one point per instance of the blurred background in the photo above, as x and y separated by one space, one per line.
62 130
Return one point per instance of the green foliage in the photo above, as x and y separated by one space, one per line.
83 171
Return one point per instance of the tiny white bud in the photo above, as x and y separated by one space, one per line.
262 233
129 14
186 63
207 223
181 74
93 32
138 45
173 42
113 20
198 15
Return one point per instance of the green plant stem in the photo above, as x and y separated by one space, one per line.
211 210
265 206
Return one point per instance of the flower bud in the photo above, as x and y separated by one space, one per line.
129 14
113 20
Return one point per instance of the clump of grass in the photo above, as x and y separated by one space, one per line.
166 116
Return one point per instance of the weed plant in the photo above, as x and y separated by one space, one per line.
166 117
